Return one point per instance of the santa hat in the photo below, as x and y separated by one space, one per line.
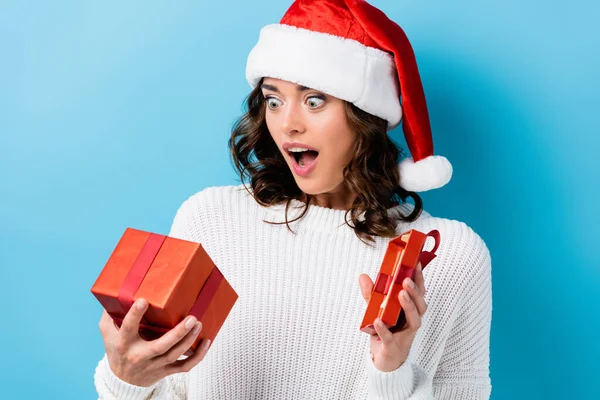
353 51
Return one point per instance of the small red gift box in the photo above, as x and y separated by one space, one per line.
399 262
176 277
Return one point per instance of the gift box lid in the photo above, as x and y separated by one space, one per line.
399 262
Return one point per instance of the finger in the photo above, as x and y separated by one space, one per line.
131 322
415 295
419 280
179 348
366 286
413 319
190 362
107 326
387 337
164 343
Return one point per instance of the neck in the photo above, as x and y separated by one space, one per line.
340 199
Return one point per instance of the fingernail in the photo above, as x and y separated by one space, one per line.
196 328
406 296
419 267
207 343
190 322
141 303
411 284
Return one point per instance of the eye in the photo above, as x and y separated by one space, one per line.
273 103
315 101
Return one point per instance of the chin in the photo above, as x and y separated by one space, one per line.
309 189
314 186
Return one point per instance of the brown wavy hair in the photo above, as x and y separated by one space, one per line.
372 174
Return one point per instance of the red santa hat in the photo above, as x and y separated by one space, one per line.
353 51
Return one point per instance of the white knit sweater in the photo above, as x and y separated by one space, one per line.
294 332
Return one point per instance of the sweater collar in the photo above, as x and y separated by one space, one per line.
318 218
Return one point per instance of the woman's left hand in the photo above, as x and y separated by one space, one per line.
390 350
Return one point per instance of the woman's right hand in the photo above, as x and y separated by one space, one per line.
143 363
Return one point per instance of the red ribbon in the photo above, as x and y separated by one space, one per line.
138 271
206 294
382 283
427 256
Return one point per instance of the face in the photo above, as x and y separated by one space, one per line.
301 119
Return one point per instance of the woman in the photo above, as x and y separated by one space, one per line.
301 242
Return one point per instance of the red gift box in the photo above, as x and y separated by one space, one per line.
399 262
175 276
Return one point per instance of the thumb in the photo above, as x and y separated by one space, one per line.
131 322
366 286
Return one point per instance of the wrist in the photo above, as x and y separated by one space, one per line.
386 366
105 377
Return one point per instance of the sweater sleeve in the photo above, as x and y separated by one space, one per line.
110 387
463 370
172 387
409 381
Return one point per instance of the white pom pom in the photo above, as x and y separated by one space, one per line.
429 173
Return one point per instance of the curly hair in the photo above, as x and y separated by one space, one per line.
372 174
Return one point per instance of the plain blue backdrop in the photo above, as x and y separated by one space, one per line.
112 113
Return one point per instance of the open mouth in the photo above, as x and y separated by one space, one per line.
304 161
304 158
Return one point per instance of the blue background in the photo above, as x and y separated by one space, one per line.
112 113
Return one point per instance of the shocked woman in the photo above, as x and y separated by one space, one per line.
301 238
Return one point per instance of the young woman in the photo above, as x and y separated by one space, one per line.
301 240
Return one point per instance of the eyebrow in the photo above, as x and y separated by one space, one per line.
266 86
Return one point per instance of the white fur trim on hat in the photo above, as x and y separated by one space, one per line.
341 67
429 173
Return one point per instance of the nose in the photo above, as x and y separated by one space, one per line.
292 121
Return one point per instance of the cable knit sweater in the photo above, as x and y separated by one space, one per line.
294 332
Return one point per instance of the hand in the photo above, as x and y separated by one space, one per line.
143 363
390 350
